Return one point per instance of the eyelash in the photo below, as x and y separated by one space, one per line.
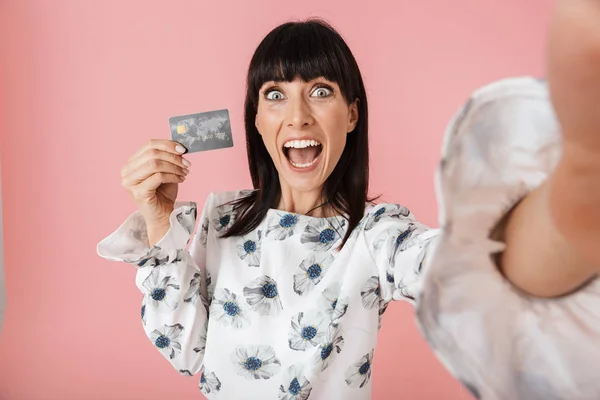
317 87
324 86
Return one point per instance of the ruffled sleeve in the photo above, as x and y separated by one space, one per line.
500 342
171 278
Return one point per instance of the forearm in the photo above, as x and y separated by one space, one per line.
575 201
553 235
175 322
544 236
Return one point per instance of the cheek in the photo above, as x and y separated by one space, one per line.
338 145
267 127
337 125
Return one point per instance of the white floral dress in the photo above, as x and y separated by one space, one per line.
282 314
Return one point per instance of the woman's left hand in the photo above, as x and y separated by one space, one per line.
574 78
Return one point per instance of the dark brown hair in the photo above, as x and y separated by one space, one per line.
305 50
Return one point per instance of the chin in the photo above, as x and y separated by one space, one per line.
303 185
306 178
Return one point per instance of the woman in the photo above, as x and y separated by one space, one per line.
282 290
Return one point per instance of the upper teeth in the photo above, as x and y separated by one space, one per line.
301 144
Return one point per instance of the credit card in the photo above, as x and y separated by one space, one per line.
204 131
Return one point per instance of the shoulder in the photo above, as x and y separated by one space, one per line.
219 208
223 199
390 221
377 215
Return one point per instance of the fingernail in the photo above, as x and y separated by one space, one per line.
186 171
186 162
179 148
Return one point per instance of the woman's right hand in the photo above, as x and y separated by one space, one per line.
152 176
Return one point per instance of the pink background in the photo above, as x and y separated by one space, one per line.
85 83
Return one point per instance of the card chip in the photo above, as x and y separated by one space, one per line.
181 129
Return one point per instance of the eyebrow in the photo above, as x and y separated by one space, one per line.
315 80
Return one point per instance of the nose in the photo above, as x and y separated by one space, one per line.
299 114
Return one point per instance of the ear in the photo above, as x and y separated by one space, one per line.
352 115
256 124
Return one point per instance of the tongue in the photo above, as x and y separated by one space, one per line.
302 156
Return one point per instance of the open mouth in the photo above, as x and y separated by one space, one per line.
302 153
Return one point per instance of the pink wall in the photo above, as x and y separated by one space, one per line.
84 85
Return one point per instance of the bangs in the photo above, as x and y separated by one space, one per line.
305 51
301 50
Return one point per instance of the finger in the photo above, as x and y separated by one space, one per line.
149 168
154 154
146 188
160 144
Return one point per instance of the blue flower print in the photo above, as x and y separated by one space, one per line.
187 218
209 383
161 291
382 308
143 311
256 362
193 292
390 280
185 372
282 225
312 271
156 257
307 330
295 385
249 248
180 255
332 304
201 345
407 286
228 310
321 235
359 374
388 210
203 234
151 258
330 348
370 293
166 340
224 219
210 288
262 295
389 277
394 241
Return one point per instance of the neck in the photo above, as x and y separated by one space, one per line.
310 202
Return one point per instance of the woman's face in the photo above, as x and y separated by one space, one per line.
304 127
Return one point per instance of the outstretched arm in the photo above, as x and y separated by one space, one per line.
553 236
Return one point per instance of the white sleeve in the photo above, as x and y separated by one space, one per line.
500 342
399 246
171 278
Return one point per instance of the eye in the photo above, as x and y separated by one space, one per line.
322 92
274 95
